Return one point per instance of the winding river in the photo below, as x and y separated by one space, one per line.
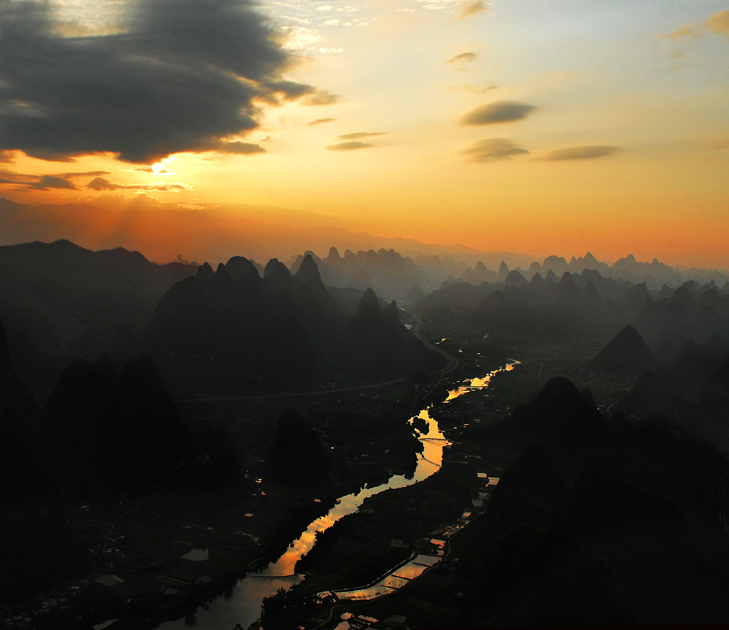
244 605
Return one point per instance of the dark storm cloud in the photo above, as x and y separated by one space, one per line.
360 134
350 146
493 149
498 112
185 74
579 153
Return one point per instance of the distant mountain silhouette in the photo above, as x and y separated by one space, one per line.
377 343
626 354
276 333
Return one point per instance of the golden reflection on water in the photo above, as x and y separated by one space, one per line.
478 383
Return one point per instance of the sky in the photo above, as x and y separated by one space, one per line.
547 127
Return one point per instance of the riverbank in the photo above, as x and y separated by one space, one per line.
391 526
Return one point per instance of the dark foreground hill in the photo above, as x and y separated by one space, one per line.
600 521
60 301
626 354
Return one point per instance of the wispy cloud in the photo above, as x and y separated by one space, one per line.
685 31
62 181
320 97
719 23
579 153
47 182
320 121
101 183
360 134
498 112
466 57
469 9
493 149
350 146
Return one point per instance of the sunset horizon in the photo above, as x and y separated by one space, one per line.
540 130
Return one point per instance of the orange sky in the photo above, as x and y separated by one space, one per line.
556 127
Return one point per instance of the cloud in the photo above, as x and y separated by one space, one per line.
474 89
359 135
46 182
183 75
579 153
6 157
498 112
469 9
350 146
239 148
23 181
320 97
320 121
466 57
85 174
148 169
493 149
685 31
100 183
719 23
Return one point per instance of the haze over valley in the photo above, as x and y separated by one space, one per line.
391 315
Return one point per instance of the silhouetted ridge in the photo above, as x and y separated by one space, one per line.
221 274
205 272
22 466
503 272
377 343
626 354
297 455
109 432
557 403
594 524
277 276
369 306
241 268
414 295
515 279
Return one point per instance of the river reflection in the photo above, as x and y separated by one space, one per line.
243 605
479 383
395 580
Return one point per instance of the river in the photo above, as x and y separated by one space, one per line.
243 606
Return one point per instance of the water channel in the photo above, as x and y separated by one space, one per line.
244 605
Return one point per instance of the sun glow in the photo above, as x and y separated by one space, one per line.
160 167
